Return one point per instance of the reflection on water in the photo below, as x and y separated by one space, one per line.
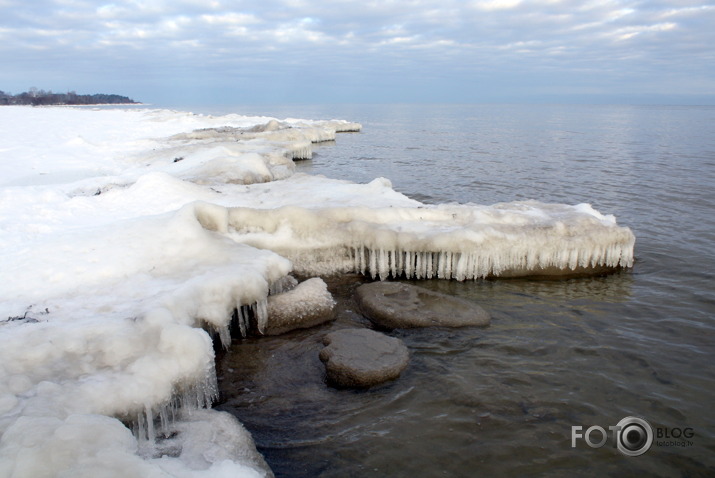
606 288
502 400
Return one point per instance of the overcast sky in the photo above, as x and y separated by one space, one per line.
328 51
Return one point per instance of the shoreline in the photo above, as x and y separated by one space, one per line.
169 248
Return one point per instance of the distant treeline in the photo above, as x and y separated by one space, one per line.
37 97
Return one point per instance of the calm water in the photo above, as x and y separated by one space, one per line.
591 351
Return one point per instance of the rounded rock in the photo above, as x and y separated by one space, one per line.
308 304
395 305
362 358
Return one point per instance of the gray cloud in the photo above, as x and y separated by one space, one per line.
415 49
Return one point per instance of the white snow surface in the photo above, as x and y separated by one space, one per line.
128 236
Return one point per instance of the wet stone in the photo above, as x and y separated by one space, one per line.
362 358
395 305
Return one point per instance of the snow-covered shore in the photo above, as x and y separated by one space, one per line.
126 235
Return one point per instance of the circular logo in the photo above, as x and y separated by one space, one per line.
634 436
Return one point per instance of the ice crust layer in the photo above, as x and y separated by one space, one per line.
446 242
128 238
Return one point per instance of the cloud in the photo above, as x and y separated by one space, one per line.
229 19
490 5
566 42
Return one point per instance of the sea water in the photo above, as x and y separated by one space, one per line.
507 400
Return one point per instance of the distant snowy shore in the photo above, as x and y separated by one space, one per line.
129 237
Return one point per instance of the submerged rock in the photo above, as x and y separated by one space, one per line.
395 305
306 305
362 357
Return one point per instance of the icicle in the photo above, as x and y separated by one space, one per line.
300 150
383 269
210 387
474 270
260 310
320 135
477 270
418 265
372 268
593 257
461 267
467 261
485 265
224 336
442 265
408 264
582 260
614 255
150 423
573 259
166 417
199 394
345 127
607 256
140 428
242 320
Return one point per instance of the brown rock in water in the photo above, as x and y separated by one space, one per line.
307 305
395 305
362 357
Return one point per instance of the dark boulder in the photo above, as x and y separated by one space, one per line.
395 305
362 357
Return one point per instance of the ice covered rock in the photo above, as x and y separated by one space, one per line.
342 126
339 126
307 305
271 125
205 439
447 241
273 131
395 305
362 357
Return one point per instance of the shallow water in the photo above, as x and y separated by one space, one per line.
587 351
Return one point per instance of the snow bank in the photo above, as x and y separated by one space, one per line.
114 266
129 237
107 326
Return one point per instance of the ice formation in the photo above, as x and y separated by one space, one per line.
115 264
446 242
305 305
128 237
